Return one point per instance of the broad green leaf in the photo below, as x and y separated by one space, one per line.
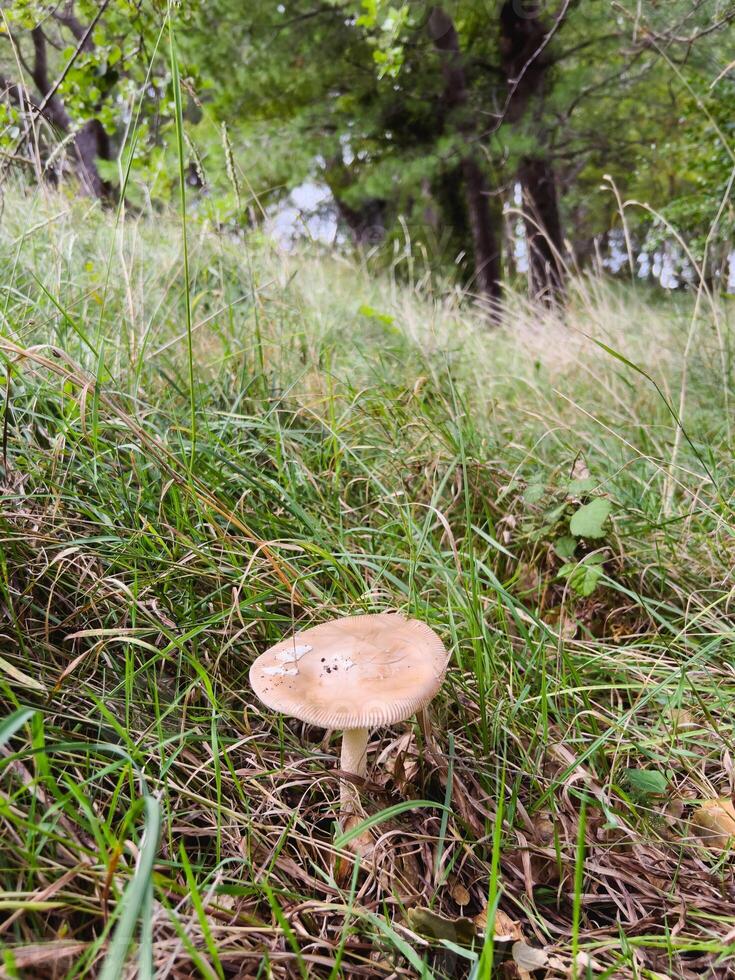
648 782
565 546
534 492
583 576
579 487
589 520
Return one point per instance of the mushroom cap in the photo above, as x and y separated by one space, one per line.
356 672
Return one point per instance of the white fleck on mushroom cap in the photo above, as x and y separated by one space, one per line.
356 672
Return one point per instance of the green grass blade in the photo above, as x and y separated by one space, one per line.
10 725
135 898
377 818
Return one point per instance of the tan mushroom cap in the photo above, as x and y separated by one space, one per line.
356 672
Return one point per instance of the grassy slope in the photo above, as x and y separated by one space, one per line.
351 462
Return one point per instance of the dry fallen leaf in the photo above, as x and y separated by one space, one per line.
46 955
506 929
463 930
681 718
529 958
399 760
714 822
543 827
434 926
671 814
585 964
362 846
398 873
17 675
528 578
562 622
510 522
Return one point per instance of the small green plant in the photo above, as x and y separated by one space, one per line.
372 314
574 515
583 576
645 783
589 520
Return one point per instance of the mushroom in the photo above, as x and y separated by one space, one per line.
352 674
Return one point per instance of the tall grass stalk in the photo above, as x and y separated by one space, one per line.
179 119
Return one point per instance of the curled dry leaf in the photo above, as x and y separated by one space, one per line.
671 815
510 523
543 827
506 929
585 964
529 958
714 823
362 846
680 719
399 760
434 926
462 930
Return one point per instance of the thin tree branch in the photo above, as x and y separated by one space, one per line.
536 54
69 19
81 46
614 36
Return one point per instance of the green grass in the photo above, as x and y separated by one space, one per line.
361 445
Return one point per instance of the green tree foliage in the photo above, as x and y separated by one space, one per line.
421 120
351 93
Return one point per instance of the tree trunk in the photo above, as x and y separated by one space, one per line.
523 56
366 223
543 229
485 240
90 142
453 228
525 61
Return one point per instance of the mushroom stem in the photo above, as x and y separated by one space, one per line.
353 760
